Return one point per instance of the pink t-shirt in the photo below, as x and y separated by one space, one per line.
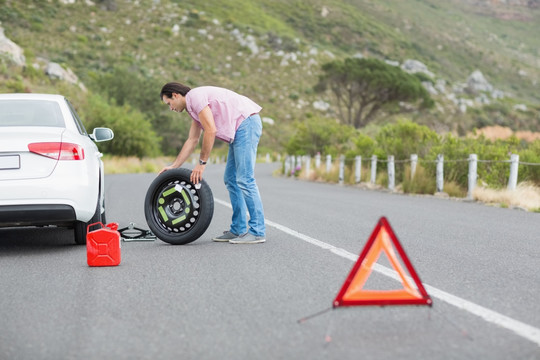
228 108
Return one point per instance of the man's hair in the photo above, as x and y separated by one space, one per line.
173 87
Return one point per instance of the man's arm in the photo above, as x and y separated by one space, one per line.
187 149
207 121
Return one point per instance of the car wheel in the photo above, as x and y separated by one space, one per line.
81 228
177 211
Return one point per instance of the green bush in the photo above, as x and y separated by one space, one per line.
317 134
403 139
124 87
364 146
530 155
15 85
492 168
455 156
133 134
32 73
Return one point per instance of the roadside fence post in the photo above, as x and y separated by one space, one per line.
514 164
473 165
440 172
373 169
308 166
357 169
287 166
414 161
318 161
268 159
328 163
391 172
341 169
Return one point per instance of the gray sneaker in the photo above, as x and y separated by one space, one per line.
227 235
248 239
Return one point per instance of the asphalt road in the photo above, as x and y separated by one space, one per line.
209 300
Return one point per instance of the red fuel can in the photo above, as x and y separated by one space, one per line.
103 245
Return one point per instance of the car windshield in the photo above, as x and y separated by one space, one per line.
30 113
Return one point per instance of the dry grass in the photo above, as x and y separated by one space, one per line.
133 165
496 132
526 196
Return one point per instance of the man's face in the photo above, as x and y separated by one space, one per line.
176 102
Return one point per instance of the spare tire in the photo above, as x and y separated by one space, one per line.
176 210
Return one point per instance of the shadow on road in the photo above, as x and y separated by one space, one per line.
34 239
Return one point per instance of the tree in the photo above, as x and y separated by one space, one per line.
362 87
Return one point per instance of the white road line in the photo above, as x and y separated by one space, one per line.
524 330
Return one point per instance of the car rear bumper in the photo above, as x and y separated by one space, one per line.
36 215
70 187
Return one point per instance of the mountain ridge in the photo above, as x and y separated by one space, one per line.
273 51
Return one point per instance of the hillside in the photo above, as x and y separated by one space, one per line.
272 51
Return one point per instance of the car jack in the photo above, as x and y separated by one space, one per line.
133 233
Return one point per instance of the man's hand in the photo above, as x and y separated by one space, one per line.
166 168
196 174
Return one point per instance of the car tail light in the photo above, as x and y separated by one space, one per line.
58 150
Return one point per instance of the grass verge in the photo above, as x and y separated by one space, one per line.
134 165
526 196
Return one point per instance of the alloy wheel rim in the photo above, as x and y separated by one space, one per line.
176 206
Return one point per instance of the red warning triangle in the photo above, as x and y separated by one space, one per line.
382 240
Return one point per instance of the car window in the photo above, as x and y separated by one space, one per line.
30 113
78 121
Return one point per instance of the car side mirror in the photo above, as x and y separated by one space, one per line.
102 134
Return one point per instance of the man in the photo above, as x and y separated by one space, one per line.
223 114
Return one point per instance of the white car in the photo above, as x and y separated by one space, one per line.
51 173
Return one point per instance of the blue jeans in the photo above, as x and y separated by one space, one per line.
239 179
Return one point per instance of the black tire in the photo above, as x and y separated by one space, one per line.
81 228
176 211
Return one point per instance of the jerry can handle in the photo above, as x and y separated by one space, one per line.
113 226
94 224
